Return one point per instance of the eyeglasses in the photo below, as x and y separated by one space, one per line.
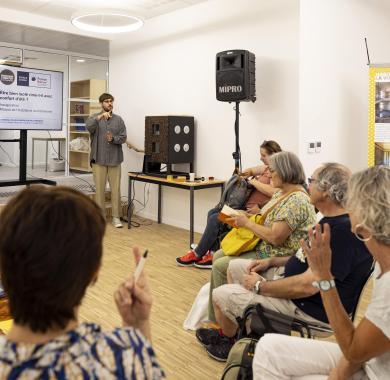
311 180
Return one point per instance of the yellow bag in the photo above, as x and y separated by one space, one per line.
240 240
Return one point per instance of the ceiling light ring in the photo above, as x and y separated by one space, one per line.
136 23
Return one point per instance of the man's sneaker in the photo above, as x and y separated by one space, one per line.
188 259
220 347
116 222
206 262
206 336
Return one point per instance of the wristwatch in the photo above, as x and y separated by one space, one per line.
324 285
256 288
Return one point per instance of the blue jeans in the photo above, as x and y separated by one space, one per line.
209 240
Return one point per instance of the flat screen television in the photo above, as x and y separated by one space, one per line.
30 99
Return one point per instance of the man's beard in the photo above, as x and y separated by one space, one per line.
107 109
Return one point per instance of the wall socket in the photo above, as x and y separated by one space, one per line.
311 147
314 147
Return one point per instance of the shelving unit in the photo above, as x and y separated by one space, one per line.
83 102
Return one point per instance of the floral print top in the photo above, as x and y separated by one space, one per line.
83 353
297 211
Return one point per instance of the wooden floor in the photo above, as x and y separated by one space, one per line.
174 289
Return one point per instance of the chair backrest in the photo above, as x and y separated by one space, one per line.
361 290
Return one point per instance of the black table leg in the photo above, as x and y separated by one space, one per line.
159 204
129 205
191 215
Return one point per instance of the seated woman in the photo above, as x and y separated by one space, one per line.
290 217
361 352
201 256
50 252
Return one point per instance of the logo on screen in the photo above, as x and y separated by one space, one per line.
7 77
40 80
23 78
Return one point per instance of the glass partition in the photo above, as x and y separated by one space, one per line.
46 151
52 154
88 80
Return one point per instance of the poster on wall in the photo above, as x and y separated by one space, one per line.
379 115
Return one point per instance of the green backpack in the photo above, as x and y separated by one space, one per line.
239 362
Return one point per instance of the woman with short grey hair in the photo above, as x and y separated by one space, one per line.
289 167
361 352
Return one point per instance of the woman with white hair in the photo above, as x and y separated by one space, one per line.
361 352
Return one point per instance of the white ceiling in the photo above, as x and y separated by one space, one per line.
46 23
63 9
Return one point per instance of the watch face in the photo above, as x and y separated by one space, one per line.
324 285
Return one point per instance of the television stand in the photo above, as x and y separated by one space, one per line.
23 166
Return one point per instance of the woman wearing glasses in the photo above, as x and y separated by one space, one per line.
361 352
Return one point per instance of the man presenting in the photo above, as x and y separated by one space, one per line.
108 133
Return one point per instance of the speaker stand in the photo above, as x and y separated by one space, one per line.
237 154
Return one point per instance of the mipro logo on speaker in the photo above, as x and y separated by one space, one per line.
229 89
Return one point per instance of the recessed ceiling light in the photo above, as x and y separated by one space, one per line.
80 60
106 21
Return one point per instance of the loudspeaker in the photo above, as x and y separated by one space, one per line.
236 76
170 139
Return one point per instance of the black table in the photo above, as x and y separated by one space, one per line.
191 186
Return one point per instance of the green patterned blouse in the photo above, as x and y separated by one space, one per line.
297 211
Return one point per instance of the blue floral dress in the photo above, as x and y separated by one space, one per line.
83 353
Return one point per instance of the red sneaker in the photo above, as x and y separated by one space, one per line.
206 262
188 259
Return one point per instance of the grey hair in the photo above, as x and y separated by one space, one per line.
289 167
333 178
369 200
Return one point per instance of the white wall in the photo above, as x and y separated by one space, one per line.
176 75
334 76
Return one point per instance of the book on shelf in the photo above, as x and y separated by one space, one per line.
79 108
226 213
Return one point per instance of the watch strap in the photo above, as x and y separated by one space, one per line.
324 285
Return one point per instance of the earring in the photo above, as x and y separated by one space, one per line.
359 236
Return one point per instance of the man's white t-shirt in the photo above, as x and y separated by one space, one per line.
378 313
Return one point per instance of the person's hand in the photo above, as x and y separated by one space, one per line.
246 173
253 210
249 280
134 300
253 182
130 146
109 137
318 252
257 266
105 115
239 220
